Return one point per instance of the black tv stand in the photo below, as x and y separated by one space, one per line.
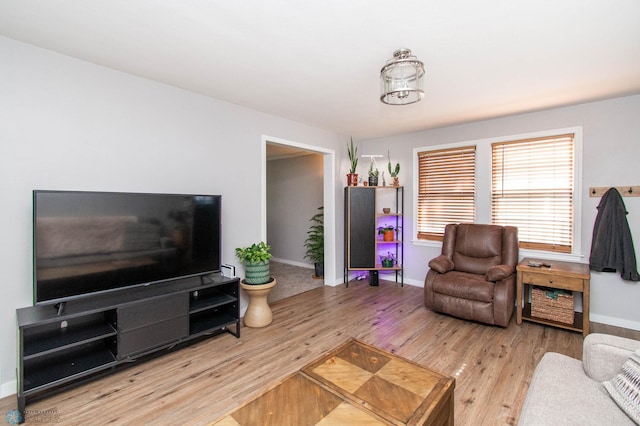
84 339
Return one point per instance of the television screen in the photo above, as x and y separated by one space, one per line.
88 242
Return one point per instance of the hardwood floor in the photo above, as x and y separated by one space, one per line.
201 383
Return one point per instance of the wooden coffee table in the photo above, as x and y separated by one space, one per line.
355 383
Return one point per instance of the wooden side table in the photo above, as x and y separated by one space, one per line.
570 276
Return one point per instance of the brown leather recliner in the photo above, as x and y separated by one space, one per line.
475 276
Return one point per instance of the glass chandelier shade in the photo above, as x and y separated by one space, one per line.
402 79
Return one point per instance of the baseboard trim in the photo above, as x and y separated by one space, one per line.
293 262
616 322
414 283
8 389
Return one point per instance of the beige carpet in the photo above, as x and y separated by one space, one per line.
292 280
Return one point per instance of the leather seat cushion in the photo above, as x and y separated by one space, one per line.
464 285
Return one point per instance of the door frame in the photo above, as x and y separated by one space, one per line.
329 196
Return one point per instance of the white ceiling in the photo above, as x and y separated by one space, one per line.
318 62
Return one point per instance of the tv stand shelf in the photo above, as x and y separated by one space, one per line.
99 334
41 343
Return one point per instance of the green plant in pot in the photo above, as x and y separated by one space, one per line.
388 232
393 172
373 173
388 260
352 177
315 242
256 262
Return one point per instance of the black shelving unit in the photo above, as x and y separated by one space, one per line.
98 335
363 215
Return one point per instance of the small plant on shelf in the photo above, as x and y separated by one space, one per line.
353 156
388 232
386 228
352 176
388 260
373 171
393 171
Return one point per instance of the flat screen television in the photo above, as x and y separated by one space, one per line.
86 243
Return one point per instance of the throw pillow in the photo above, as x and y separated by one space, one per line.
624 389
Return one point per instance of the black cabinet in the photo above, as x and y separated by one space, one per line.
367 209
96 335
361 223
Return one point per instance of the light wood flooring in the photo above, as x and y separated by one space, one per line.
201 383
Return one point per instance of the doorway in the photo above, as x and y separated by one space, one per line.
304 174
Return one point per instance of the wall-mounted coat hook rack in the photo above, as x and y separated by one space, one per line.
625 191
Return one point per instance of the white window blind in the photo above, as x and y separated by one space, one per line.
532 188
446 190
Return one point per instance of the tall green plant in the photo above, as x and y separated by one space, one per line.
315 238
353 156
394 172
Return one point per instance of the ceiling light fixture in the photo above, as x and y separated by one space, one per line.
402 79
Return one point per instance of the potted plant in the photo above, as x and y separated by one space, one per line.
373 174
352 177
387 232
257 283
315 243
256 262
388 260
393 172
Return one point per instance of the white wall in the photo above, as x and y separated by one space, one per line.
68 124
294 193
611 157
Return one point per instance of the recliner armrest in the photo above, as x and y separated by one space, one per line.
499 272
441 264
604 354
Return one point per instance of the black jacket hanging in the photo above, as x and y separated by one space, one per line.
612 246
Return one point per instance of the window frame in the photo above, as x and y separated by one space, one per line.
483 187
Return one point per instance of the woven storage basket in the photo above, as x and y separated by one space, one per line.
544 305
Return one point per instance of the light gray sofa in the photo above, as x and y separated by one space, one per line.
566 391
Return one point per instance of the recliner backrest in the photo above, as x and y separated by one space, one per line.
477 248
473 248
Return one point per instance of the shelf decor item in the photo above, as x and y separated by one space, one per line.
315 243
388 260
388 232
352 177
393 172
373 172
256 262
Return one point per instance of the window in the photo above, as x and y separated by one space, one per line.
446 189
531 181
532 188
